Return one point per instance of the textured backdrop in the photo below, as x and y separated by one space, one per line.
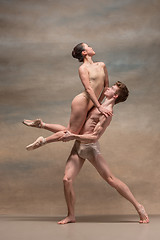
39 78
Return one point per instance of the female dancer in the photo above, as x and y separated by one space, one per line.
94 78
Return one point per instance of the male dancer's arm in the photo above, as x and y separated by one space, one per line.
90 137
67 136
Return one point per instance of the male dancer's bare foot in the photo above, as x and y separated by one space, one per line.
143 215
67 220
34 123
38 143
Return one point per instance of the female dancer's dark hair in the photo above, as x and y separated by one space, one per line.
77 52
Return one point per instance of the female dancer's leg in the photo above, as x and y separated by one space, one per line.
38 123
79 108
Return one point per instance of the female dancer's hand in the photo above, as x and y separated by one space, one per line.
105 111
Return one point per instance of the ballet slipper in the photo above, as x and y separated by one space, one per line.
38 143
34 123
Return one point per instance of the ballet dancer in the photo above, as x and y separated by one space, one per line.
85 147
94 77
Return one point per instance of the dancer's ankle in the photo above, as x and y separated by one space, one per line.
43 125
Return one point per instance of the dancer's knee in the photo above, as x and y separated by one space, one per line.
67 180
111 181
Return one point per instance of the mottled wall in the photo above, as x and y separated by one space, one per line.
39 78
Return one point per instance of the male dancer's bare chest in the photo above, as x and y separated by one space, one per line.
92 120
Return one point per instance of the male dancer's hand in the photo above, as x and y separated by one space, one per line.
67 137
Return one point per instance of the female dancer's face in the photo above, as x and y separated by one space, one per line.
90 52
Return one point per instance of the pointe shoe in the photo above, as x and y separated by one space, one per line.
38 143
33 123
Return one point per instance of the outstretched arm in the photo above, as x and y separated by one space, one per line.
67 136
90 137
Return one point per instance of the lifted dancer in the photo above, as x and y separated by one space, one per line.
94 77
87 147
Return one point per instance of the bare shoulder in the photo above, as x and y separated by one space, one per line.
102 64
82 68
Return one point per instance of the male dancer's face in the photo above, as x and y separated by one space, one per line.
111 91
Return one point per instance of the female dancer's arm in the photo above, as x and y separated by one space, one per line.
84 76
106 84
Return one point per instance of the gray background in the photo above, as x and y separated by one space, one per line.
39 78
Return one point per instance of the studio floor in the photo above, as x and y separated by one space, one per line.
87 227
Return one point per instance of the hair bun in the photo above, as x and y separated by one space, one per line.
73 53
77 52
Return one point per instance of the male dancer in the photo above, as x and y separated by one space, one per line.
87 147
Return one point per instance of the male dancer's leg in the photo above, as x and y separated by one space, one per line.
73 166
100 164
